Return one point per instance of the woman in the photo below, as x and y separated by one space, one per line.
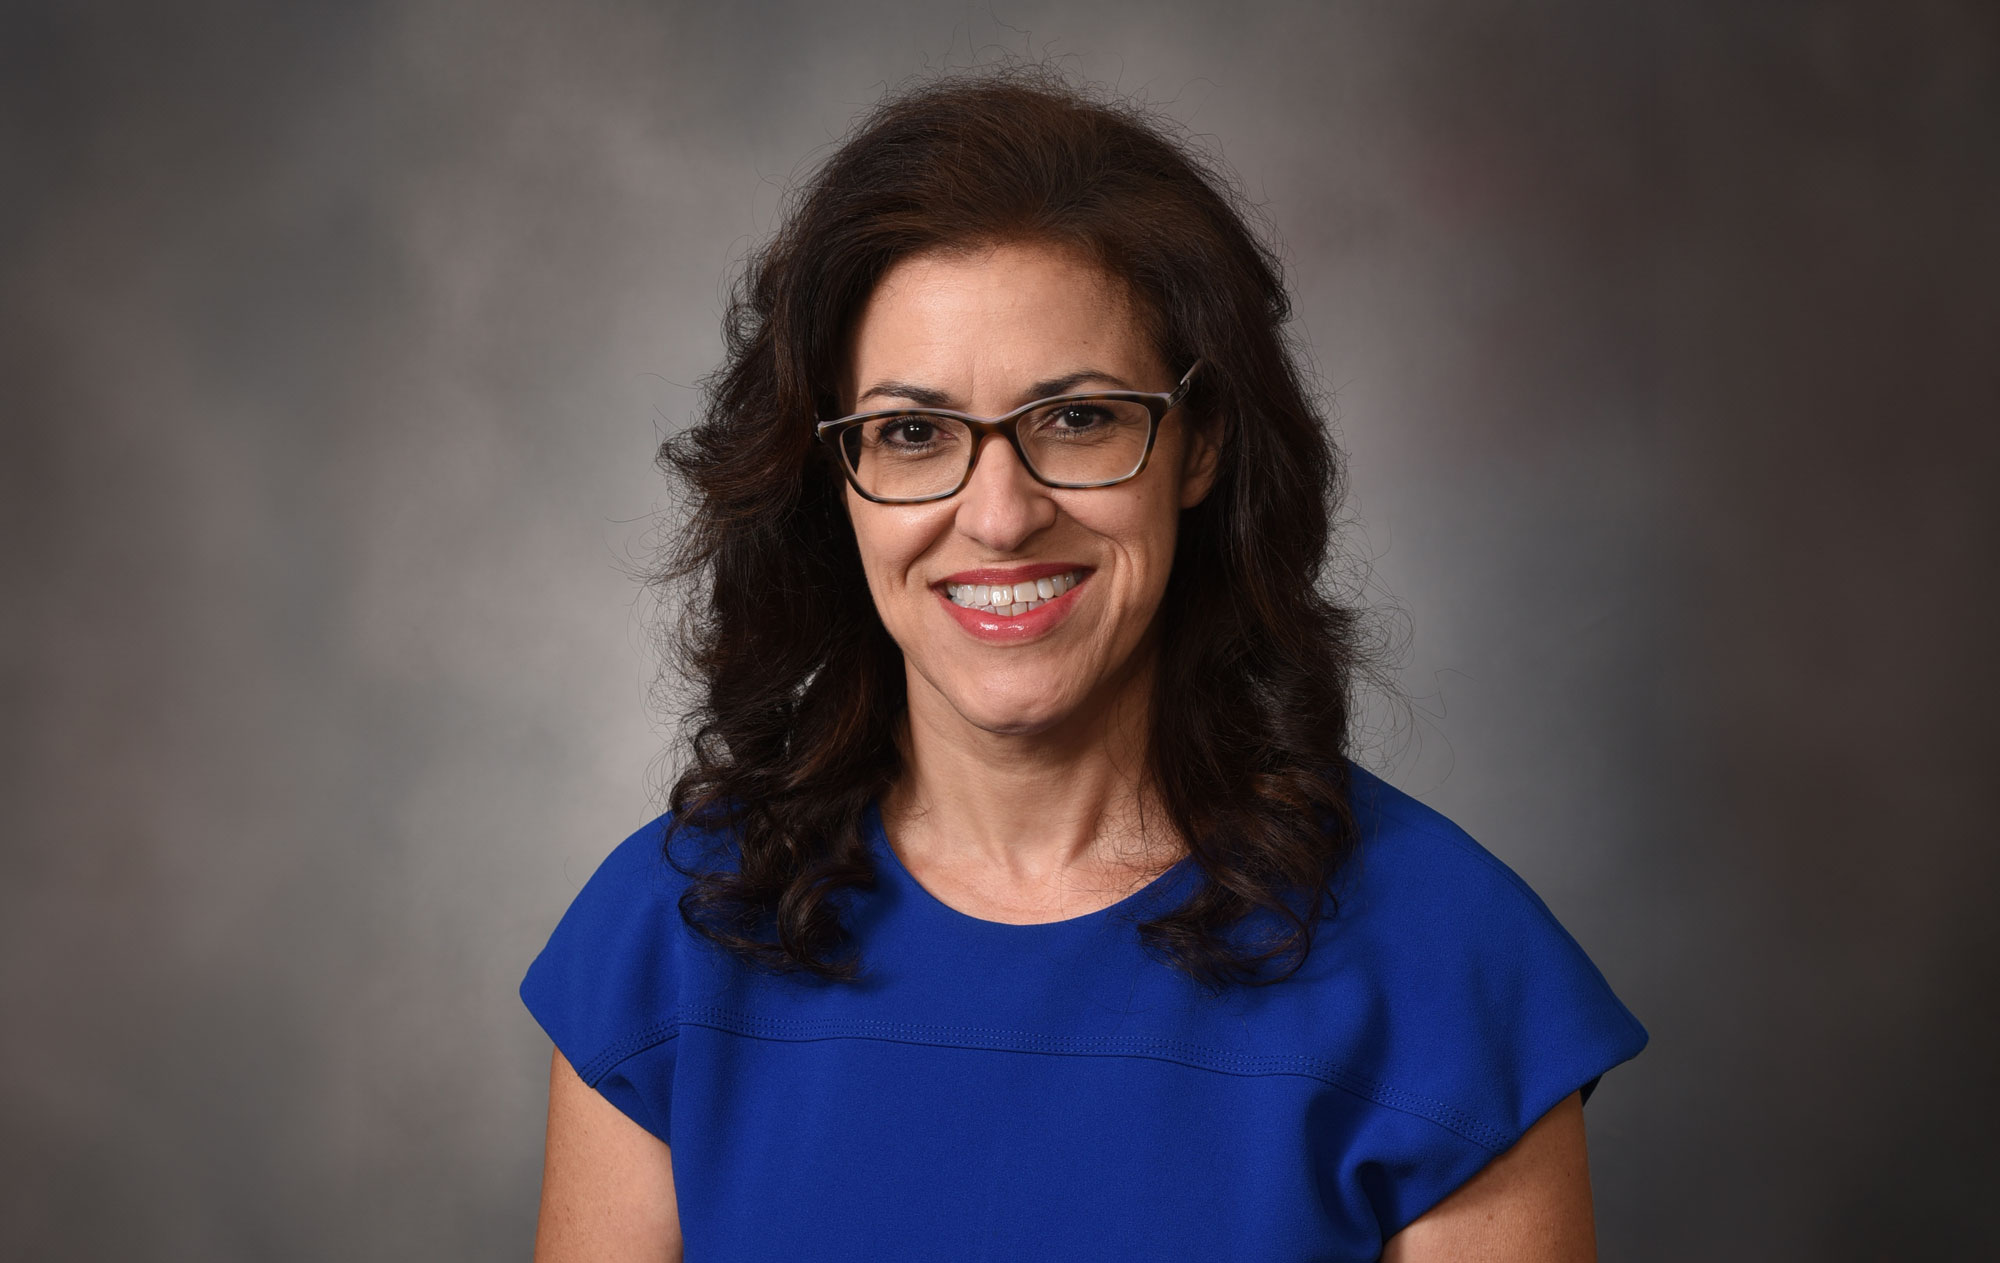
1020 900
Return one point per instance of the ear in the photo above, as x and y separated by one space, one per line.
1200 459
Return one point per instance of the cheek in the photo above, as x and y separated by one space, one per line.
1158 560
890 544
1142 529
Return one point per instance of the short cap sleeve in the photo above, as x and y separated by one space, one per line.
604 987
1494 1014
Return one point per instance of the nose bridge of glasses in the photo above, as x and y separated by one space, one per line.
1004 436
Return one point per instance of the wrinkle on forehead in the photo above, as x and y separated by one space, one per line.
936 292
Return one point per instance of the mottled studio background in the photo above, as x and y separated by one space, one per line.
336 341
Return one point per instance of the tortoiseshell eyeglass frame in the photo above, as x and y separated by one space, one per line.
1157 405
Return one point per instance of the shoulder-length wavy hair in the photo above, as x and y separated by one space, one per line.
802 686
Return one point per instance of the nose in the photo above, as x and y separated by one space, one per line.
1002 506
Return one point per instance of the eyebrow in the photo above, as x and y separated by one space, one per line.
925 397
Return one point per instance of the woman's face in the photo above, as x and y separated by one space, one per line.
984 332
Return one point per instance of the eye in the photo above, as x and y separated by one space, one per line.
1076 417
907 432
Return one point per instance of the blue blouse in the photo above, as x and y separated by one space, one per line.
996 1091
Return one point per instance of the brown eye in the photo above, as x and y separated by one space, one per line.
913 437
1079 417
903 434
910 432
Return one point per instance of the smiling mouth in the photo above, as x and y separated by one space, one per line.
1017 598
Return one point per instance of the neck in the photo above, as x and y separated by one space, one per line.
1052 808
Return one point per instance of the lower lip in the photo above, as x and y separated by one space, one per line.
1008 629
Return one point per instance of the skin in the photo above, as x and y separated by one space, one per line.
1530 1203
1024 798
1046 733
607 1183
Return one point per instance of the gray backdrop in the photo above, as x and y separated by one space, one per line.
337 341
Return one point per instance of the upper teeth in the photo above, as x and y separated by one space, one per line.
1019 598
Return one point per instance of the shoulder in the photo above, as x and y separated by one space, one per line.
607 980
653 862
641 880
1449 992
1478 994
1412 863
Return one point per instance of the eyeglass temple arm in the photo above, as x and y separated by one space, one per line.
1187 379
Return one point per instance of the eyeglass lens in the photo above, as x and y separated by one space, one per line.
914 454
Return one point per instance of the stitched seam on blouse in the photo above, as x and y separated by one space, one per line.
631 1046
999 1039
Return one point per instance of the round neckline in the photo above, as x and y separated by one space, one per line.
878 837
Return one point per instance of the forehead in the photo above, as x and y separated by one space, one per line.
979 322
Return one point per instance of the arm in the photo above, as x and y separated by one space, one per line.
1530 1203
607 1183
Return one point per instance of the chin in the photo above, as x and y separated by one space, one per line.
1013 715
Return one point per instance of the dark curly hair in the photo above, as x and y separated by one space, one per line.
795 733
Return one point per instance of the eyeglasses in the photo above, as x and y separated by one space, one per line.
909 455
